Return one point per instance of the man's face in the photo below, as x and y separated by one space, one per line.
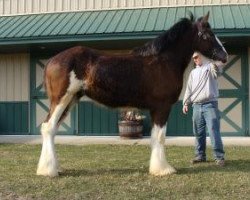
197 60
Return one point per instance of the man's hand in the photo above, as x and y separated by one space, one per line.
214 70
185 109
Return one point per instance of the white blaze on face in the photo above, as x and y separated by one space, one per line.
217 39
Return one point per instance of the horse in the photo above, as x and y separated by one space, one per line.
149 77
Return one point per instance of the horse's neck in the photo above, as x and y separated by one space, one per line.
182 51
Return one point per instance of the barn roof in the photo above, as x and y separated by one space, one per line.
226 20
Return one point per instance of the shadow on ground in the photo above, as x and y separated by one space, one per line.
230 166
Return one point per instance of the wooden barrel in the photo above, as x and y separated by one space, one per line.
130 129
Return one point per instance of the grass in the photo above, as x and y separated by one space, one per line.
121 172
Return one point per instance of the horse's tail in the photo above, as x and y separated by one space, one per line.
45 77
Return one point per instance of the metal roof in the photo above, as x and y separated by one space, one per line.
226 20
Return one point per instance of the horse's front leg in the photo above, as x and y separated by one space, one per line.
158 163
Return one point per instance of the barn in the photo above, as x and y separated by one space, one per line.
31 31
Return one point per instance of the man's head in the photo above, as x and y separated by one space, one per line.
197 58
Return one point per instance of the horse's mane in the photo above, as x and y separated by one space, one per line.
166 39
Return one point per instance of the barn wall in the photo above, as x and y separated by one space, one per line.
14 93
13 7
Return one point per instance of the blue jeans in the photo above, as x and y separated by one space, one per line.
206 116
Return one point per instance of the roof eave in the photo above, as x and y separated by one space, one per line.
110 36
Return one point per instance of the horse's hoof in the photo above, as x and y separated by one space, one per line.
163 172
47 173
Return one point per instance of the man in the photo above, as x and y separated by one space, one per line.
202 93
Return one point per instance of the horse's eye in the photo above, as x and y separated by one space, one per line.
204 37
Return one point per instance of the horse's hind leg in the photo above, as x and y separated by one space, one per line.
48 165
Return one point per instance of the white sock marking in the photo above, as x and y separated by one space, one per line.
158 164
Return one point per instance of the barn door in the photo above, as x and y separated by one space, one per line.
233 101
39 101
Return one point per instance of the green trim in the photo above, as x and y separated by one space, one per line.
245 75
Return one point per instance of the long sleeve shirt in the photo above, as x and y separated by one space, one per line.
202 85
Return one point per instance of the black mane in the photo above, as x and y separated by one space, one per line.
166 39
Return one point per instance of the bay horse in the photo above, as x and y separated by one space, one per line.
149 77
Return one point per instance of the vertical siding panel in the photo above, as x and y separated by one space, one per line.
207 1
156 2
163 2
28 6
1 79
21 6
3 116
122 3
130 3
58 5
10 118
17 77
113 122
96 4
6 7
10 80
182 2
14 6
17 118
43 6
139 3
89 4
88 117
25 77
66 5
14 77
36 6
51 5
25 118
96 120
82 4
104 123
114 3
4 80
147 3
1 8
74 5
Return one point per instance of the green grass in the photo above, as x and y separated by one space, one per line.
121 172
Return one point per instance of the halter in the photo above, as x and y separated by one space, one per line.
214 52
200 33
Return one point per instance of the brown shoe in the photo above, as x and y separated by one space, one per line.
220 163
197 160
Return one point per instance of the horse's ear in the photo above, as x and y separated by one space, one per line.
205 18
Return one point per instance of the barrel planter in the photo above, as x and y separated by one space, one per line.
130 129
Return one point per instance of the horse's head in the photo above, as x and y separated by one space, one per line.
206 42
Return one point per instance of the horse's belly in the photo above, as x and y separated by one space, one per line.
114 98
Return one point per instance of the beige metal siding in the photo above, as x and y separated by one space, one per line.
14 7
14 77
